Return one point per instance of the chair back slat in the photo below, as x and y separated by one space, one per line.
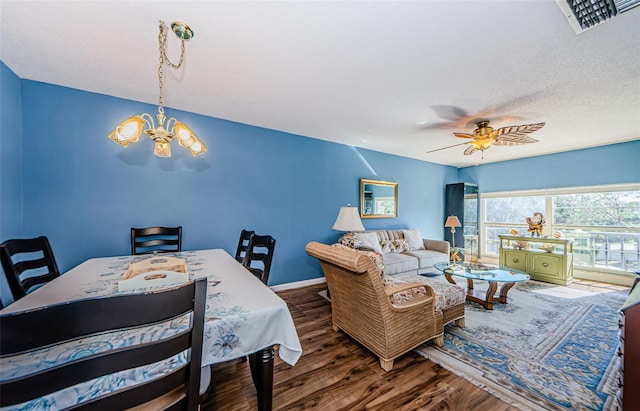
65 323
260 249
153 240
243 243
27 263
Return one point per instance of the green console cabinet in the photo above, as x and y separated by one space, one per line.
544 259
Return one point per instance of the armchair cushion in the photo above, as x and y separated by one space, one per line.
405 295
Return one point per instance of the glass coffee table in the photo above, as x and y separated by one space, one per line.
490 273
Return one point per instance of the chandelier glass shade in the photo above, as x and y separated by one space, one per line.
130 130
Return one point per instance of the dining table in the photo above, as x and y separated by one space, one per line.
244 317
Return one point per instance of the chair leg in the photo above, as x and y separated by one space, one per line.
460 322
439 340
386 365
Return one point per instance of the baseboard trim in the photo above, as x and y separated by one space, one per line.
298 284
624 279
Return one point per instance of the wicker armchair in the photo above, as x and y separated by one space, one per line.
361 306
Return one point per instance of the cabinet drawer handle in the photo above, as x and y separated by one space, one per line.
545 265
515 260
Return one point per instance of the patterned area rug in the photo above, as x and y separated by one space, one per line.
549 348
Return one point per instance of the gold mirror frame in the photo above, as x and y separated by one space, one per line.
378 199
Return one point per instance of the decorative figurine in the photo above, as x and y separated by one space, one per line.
535 224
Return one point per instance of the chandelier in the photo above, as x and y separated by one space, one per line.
130 130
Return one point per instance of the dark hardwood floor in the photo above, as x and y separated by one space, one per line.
337 373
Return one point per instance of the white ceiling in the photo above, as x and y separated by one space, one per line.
384 75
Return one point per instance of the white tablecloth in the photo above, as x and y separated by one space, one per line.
243 315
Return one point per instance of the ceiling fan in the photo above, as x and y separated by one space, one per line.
484 136
457 117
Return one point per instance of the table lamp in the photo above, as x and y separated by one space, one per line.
349 220
453 222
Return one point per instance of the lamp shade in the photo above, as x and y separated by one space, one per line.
348 220
452 221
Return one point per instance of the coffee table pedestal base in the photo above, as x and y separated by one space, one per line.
489 297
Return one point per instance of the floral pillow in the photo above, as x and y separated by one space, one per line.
394 246
406 295
350 240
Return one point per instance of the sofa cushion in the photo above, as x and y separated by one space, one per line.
414 239
395 263
427 258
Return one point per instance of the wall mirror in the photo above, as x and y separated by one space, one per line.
378 199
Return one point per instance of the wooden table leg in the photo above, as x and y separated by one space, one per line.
449 278
489 297
470 284
504 290
261 363
491 291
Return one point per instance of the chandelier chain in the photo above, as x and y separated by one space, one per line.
162 42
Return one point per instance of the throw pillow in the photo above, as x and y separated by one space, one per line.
350 240
394 246
370 241
377 260
414 239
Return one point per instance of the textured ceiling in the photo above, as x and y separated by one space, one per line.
392 76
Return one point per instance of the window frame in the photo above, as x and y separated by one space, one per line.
548 214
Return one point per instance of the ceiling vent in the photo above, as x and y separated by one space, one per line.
585 14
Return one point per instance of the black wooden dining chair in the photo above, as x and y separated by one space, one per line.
243 242
260 251
152 240
27 263
67 323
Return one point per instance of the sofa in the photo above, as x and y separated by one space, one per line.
404 251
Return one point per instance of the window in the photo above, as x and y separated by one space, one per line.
602 222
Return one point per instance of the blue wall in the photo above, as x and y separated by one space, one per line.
11 180
612 164
63 178
84 192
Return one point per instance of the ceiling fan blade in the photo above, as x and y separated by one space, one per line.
444 148
464 135
514 140
451 113
435 126
518 130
